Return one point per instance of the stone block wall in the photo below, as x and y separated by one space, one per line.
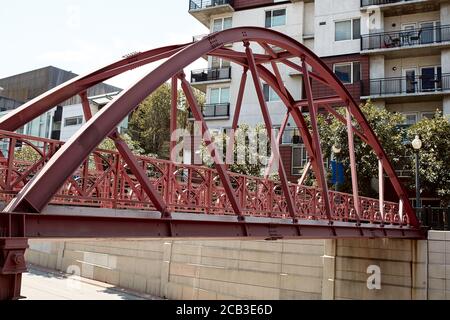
225 269
439 265
235 269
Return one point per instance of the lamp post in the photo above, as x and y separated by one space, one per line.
336 151
417 145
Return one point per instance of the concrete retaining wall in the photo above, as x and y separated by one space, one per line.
193 269
288 269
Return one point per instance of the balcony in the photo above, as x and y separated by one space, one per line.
202 10
423 85
201 78
418 39
401 7
216 111
366 3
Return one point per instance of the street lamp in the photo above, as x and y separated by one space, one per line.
417 145
336 149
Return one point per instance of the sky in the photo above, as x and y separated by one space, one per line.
83 35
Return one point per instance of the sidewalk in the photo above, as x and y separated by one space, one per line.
42 284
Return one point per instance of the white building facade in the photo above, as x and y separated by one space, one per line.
393 52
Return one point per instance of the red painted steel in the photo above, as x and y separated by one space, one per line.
63 173
194 189
237 113
211 202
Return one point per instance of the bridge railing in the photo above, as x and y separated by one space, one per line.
435 218
104 180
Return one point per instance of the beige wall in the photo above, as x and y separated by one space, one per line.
439 265
417 18
408 63
225 269
402 268
194 269
417 107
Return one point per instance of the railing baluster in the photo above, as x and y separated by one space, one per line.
404 38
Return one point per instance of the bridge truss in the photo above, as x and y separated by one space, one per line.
185 200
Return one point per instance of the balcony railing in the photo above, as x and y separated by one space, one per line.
405 38
214 110
203 4
366 3
204 75
406 85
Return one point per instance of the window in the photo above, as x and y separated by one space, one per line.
219 95
275 18
217 63
428 115
299 159
222 24
431 78
348 30
410 118
349 72
269 94
74 121
291 136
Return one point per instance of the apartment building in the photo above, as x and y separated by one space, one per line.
63 120
394 52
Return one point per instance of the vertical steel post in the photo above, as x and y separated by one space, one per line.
316 141
269 128
381 188
219 165
418 201
305 173
173 115
279 141
86 107
237 113
87 116
351 150
12 265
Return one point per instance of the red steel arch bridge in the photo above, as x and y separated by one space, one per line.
75 190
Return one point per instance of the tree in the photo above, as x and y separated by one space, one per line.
108 144
251 150
150 123
27 154
434 155
387 127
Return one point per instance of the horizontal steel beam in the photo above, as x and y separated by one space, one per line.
90 227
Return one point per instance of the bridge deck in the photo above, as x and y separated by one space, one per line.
103 198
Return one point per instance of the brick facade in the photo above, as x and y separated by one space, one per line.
320 90
286 157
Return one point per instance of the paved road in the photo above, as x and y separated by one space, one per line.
39 284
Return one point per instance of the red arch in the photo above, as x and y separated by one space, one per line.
38 192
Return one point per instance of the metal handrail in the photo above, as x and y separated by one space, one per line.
435 218
366 3
405 38
213 110
203 4
406 85
210 74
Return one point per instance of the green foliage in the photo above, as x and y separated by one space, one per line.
108 144
434 155
27 154
250 157
387 127
150 123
